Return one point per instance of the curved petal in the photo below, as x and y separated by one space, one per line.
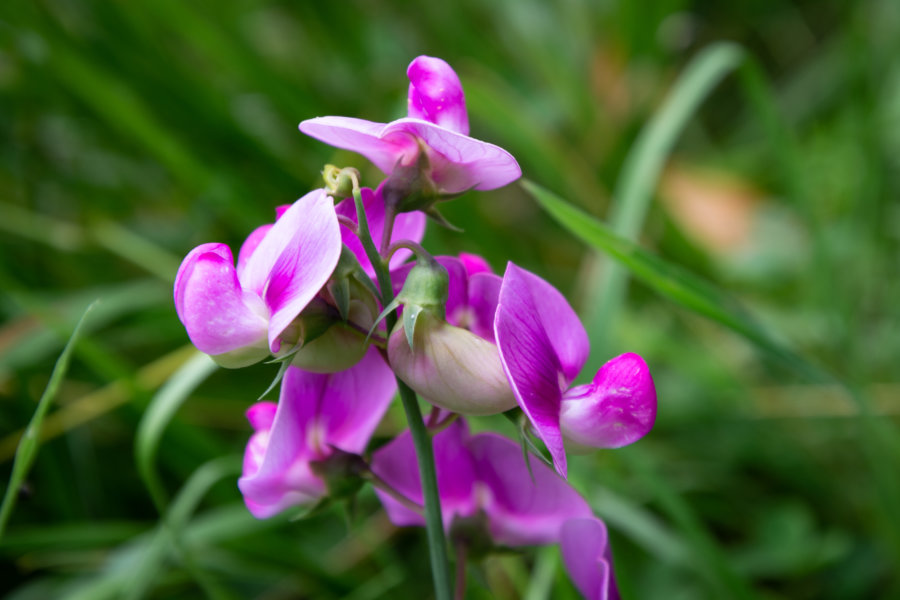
436 95
354 402
249 247
294 260
617 408
474 264
586 554
395 463
187 265
364 137
276 463
529 360
218 315
521 509
484 293
458 162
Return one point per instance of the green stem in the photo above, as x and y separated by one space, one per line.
434 523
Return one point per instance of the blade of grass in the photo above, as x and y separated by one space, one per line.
640 173
159 413
26 452
667 279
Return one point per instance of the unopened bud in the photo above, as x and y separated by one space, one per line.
340 182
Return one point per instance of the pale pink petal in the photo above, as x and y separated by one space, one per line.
458 162
218 315
306 245
364 137
249 247
523 508
586 554
396 464
436 95
617 408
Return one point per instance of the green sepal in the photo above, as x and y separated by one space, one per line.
410 316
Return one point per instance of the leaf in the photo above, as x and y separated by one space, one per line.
28 446
158 415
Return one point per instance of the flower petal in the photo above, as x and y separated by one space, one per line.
436 95
395 463
617 408
586 554
458 162
282 476
364 137
529 359
218 315
474 263
294 260
484 293
522 510
249 247
355 401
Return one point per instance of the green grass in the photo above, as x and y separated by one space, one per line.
130 136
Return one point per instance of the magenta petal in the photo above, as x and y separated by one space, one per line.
436 95
364 137
295 259
355 401
218 315
458 162
617 408
396 464
484 293
529 360
261 415
474 263
521 510
586 554
187 266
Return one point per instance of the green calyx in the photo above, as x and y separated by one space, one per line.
340 182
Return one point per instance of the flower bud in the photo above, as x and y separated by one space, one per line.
450 367
615 409
339 182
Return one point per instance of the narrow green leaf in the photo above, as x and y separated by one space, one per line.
27 449
667 279
159 413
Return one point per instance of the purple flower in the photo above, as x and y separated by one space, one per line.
437 126
543 346
238 315
483 480
588 559
315 414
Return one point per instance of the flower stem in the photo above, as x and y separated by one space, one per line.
434 524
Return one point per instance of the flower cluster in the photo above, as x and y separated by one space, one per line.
320 291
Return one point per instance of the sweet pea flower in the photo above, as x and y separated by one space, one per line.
543 346
316 414
490 498
452 360
431 145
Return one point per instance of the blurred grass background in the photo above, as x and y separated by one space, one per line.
132 133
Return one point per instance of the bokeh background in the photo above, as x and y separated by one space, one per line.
132 132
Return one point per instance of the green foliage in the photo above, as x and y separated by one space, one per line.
132 135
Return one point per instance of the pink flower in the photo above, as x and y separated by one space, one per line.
238 314
543 346
437 125
483 480
315 414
